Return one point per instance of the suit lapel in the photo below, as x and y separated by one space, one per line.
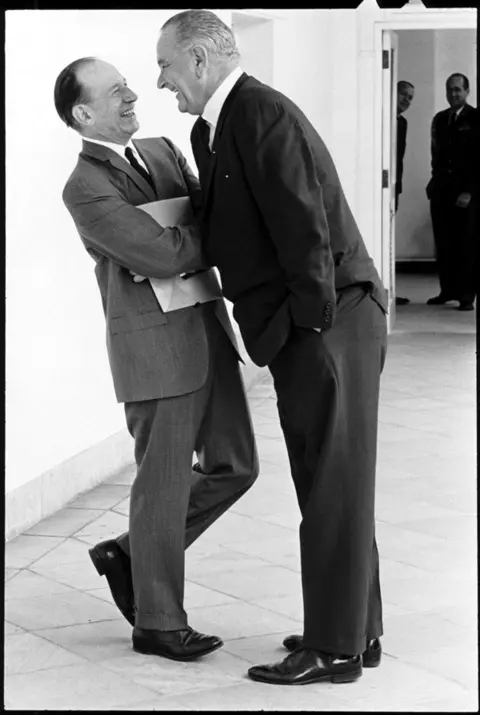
104 153
207 162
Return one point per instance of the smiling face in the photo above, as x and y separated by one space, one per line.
183 71
456 93
109 114
404 97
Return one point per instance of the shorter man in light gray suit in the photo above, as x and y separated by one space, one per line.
177 372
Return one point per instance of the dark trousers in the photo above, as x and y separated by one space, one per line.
171 504
327 386
455 238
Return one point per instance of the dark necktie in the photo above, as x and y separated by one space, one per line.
204 128
138 167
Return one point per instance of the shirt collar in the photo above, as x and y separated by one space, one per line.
119 148
214 105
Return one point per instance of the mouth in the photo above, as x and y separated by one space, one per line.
128 113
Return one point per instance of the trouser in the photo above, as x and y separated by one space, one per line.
327 386
170 503
455 245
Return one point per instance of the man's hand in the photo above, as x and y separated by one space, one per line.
137 278
463 200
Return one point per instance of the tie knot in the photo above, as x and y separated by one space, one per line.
129 153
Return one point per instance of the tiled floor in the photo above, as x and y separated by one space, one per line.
67 646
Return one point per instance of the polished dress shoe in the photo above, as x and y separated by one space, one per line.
185 644
465 305
401 301
440 299
111 561
305 666
371 656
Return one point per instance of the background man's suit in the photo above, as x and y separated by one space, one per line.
177 372
401 146
455 147
291 258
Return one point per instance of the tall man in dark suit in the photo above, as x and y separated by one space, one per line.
405 92
177 373
311 306
453 194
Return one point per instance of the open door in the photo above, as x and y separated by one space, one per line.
389 168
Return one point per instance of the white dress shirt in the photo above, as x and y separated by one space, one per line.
120 149
214 105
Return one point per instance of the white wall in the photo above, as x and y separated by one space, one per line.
254 38
426 58
60 397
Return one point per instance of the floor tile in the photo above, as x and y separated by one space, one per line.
257 582
27 653
10 573
65 522
25 550
124 477
169 678
40 612
239 620
107 526
10 629
86 686
28 584
105 496
94 642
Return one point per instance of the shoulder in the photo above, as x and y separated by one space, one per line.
258 105
89 177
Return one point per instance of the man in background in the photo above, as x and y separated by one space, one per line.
453 194
310 306
176 372
405 93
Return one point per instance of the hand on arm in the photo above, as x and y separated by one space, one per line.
127 235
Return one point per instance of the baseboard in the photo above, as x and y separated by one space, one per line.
415 265
51 491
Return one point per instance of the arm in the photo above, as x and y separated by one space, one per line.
434 144
111 227
281 174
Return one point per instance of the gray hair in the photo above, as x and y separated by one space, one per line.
205 27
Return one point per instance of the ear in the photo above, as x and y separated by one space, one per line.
82 114
200 57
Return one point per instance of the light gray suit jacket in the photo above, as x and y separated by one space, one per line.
152 354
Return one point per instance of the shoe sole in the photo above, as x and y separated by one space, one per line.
99 566
194 656
332 678
96 560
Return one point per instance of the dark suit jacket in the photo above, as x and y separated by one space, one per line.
276 221
152 354
401 146
455 149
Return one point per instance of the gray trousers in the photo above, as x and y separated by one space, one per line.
171 504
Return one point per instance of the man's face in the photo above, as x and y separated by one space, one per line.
404 97
182 72
109 111
456 92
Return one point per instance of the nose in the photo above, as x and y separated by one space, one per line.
160 81
130 96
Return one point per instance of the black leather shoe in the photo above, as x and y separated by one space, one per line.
440 299
465 306
111 561
308 666
185 644
401 301
371 656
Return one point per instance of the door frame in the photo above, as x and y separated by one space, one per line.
419 19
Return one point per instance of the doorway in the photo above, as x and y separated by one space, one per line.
424 54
